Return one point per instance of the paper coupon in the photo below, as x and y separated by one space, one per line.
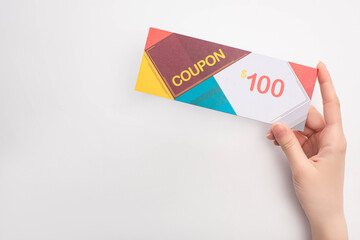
226 79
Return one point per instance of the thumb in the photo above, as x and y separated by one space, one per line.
289 144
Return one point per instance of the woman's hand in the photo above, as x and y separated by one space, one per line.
317 159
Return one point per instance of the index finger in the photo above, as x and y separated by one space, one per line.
331 102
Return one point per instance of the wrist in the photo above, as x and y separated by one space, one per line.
329 228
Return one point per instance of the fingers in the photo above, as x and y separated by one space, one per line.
300 137
270 135
331 104
314 122
289 143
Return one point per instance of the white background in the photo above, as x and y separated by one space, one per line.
84 156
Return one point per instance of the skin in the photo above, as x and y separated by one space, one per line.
317 161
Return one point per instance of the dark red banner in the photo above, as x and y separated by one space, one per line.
183 62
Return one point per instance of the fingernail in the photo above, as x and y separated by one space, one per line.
319 63
268 136
278 129
268 132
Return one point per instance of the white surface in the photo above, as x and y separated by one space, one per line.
84 156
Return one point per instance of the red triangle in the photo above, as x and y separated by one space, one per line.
306 75
155 35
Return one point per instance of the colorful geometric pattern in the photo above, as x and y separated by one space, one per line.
207 94
225 79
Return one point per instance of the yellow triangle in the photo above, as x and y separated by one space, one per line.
149 80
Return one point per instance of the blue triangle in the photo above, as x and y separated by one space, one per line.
207 94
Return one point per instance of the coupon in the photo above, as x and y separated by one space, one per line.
226 79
